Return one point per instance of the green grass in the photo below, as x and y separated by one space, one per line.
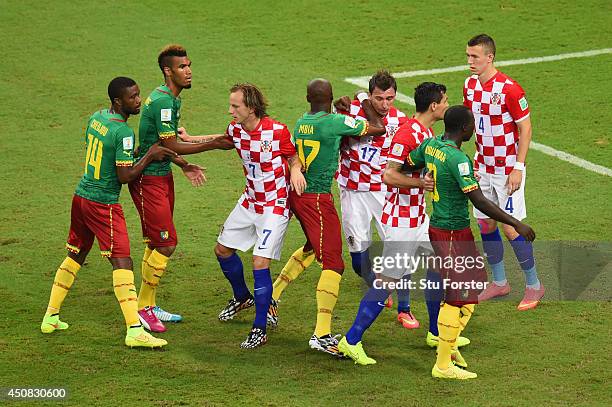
54 74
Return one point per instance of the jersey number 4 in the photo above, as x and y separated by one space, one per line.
314 151
94 155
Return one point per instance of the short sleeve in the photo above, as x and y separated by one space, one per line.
165 123
402 144
348 126
124 147
286 146
460 166
516 102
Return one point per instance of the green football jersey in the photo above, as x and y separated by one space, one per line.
159 120
454 178
317 138
110 143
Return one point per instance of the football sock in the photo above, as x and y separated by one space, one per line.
298 262
403 297
125 291
494 249
145 256
524 254
449 328
327 295
363 266
233 271
262 293
465 314
64 277
371 305
153 268
433 297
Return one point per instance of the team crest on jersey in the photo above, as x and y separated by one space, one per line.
164 235
266 146
496 99
391 130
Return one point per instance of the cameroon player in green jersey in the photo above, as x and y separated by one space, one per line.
96 212
317 136
450 233
153 192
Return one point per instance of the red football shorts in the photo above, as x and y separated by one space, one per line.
153 196
319 219
89 219
461 266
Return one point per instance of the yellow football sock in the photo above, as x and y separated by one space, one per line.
465 315
64 277
145 256
327 295
298 262
448 328
125 291
152 270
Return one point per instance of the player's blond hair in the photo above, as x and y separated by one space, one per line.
252 98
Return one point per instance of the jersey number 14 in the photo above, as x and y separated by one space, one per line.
94 155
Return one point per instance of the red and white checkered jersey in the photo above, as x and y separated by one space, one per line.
497 106
405 208
264 152
363 159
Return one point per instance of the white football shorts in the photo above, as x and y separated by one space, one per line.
358 210
494 188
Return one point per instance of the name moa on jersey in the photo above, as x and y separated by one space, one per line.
306 129
435 153
99 127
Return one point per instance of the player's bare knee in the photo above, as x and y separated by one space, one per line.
260 263
509 232
166 250
222 251
121 263
487 225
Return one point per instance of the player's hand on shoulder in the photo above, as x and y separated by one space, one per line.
159 153
526 231
514 180
428 182
343 103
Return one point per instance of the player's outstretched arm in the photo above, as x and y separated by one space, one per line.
394 177
155 153
494 212
298 182
203 143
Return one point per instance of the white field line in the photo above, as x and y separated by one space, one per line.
362 82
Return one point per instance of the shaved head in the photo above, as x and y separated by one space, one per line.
319 91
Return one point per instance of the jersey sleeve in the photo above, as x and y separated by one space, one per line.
348 126
416 157
124 147
286 145
163 112
402 144
461 169
516 101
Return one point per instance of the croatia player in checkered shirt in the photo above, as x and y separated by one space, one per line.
406 222
261 215
362 162
503 134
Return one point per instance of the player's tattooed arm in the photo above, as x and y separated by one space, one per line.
395 177
298 182
494 212
214 141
